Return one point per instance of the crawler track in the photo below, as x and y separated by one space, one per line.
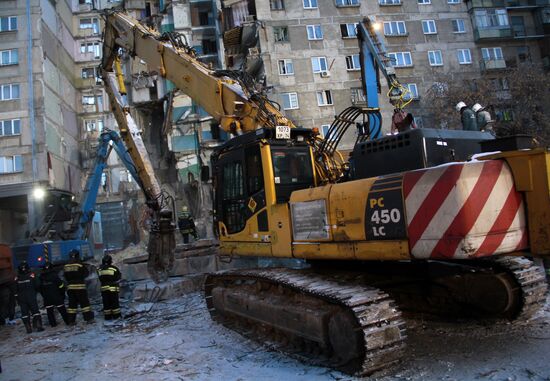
531 281
332 321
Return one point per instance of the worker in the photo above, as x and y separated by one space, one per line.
75 273
7 303
26 286
468 117
52 289
483 118
186 224
109 276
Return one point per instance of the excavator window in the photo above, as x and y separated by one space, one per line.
241 177
233 199
292 170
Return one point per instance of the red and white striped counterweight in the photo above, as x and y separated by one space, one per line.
465 210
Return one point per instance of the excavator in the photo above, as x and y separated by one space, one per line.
405 225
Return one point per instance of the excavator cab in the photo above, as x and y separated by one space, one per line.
255 172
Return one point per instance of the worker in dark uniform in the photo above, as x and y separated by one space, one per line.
7 303
186 225
26 286
467 117
75 274
52 289
109 276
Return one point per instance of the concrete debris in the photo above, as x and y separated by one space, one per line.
177 340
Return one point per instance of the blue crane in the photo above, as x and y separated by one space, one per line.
374 60
76 237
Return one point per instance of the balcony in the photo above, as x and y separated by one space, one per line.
492 33
83 83
87 32
526 3
485 4
134 4
492 64
86 57
523 33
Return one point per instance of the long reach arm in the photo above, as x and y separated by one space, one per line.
230 97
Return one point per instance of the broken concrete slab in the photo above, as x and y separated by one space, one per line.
182 266
149 291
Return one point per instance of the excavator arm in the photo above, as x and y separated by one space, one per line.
230 97
161 236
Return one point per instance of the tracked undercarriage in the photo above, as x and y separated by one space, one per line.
337 319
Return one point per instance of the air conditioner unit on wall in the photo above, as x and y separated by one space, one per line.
325 74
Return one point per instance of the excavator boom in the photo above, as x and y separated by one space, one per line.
228 96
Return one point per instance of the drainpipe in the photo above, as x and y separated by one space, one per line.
31 90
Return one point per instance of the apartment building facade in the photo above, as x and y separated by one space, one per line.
52 111
38 110
306 52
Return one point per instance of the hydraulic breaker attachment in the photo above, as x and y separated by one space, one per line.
161 247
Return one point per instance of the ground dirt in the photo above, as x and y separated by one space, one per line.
176 340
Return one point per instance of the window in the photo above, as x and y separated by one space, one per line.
353 62
233 196
10 91
505 115
389 2
358 96
280 33
84 1
92 125
435 58
464 56
9 57
413 91
290 101
500 84
400 59
491 18
91 100
490 54
347 3
428 27
349 30
324 98
314 32
277 5
395 28
90 23
91 47
453 1
424 1
458 26
10 127
324 130
8 23
286 67
523 54
11 164
125 175
319 64
88 72
254 173
310 4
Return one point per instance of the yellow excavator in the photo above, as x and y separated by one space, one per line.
406 224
